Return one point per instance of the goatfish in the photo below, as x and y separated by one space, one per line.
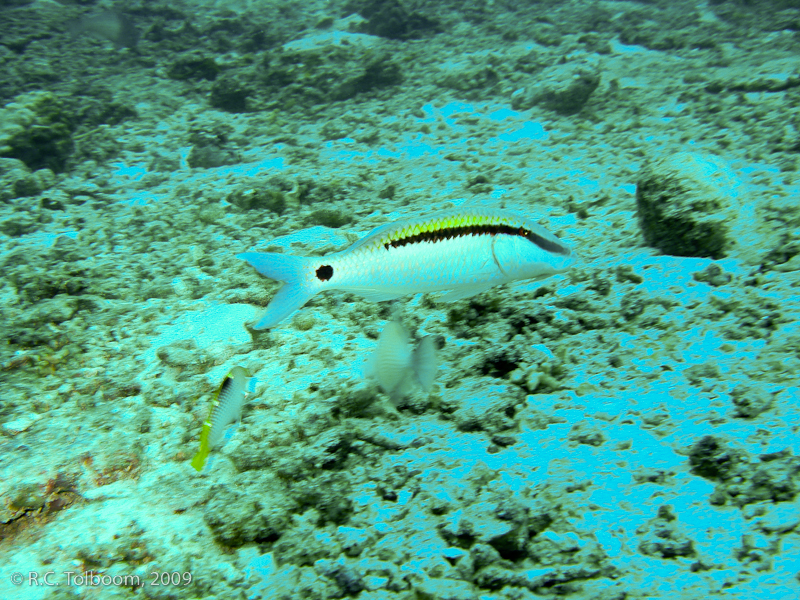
397 367
461 252
226 407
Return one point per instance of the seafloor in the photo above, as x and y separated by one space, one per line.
628 429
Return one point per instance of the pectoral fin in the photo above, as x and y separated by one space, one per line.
377 296
462 292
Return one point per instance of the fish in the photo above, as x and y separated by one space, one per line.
111 25
226 407
461 252
397 367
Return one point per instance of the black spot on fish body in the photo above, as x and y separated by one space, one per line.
325 272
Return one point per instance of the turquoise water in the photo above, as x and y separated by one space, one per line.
624 429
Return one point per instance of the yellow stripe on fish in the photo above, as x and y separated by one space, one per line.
461 252
458 225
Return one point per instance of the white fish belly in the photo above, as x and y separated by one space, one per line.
420 267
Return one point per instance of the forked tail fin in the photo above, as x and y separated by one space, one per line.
294 293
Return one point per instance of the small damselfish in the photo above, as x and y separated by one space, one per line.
226 407
398 366
461 252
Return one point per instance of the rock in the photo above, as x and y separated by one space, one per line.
740 479
444 589
330 217
391 19
777 480
57 309
211 157
21 424
259 197
690 204
709 458
12 171
663 537
750 400
564 89
780 518
486 406
773 76
254 508
379 72
35 183
349 581
37 129
19 224
182 353
321 68
353 540
230 95
475 523
304 543
713 275
194 67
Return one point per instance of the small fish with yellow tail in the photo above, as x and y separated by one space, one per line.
461 252
226 407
